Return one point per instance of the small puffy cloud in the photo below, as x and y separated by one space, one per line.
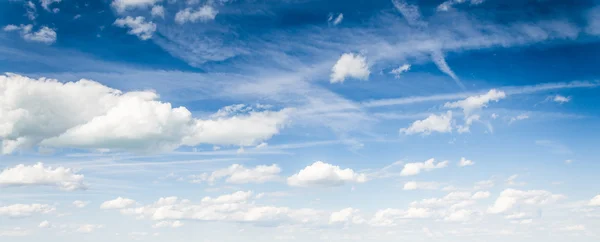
89 115
595 201
158 11
323 174
481 195
350 65
80 204
40 175
401 69
465 162
43 35
238 174
411 169
88 228
117 203
46 4
44 224
511 197
434 123
25 210
473 103
561 99
204 13
413 185
337 20
122 5
168 224
138 26
346 216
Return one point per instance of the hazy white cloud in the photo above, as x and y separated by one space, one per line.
117 203
447 5
391 216
438 58
518 118
413 185
410 12
511 197
14 232
80 204
25 210
39 175
138 26
561 99
595 201
89 115
168 224
434 123
350 65
158 11
43 35
411 169
88 228
204 13
465 162
346 216
481 195
474 103
44 224
401 69
337 20
323 174
123 5
238 174
578 227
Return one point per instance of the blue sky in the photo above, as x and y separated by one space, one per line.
233 120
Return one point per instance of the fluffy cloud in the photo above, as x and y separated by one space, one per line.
44 224
595 201
117 203
39 175
413 185
561 99
346 216
80 204
138 26
401 69
88 228
411 169
24 210
390 216
236 197
434 123
89 115
44 34
204 13
46 3
323 174
511 197
123 5
238 174
350 65
473 103
481 195
158 11
465 162
168 224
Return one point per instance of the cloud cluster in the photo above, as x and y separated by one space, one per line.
204 13
40 175
511 197
43 35
323 174
138 26
89 115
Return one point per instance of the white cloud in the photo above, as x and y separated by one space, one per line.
337 20
44 224
438 58
518 118
578 227
117 203
236 197
80 204
434 123
411 169
43 35
346 216
464 162
88 228
481 195
46 3
39 175
511 197
447 5
137 26
123 5
158 11
168 224
31 10
413 185
561 99
323 174
401 69
474 103
14 232
238 174
25 210
595 201
411 13
204 13
350 65
89 115
390 216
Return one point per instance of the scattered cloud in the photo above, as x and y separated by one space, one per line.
203 14
117 203
346 216
464 162
168 224
40 175
323 174
401 69
158 11
123 5
511 197
474 103
43 35
561 99
80 204
595 201
578 227
138 26
447 5
410 12
518 118
44 224
411 169
337 20
25 210
238 174
413 185
434 123
350 65
88 228
440 61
